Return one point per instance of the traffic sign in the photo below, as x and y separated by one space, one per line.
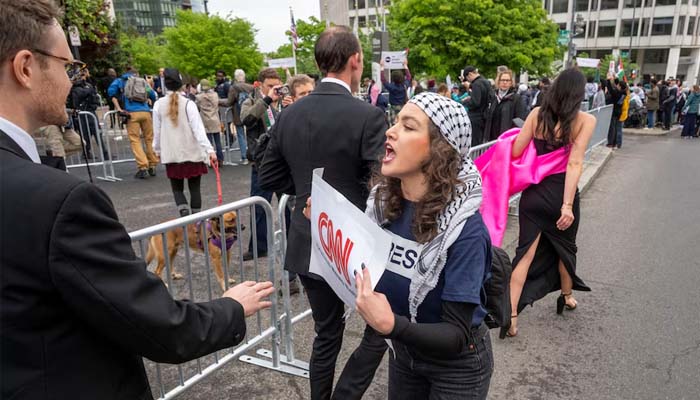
74 36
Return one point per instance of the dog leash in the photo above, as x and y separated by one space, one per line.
218 183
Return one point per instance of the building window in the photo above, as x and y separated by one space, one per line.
634 3
546 5
645 27
606 28
627 27
360 4
655 56
691 26
560 6
609 4
362 22
681 25
581 5
662 26
666 2
592 28
594 5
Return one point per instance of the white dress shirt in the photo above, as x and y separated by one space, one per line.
22 138
339 82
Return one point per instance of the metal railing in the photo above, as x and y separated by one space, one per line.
174 380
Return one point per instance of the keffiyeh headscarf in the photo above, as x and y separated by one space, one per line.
453 122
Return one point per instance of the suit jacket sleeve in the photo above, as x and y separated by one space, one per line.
373 140
274 174
97 274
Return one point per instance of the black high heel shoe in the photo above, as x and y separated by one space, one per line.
561 303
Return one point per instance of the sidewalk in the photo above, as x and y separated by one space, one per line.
675 129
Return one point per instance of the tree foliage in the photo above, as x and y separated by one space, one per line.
307 33
199 44
146 52
91 18
445 35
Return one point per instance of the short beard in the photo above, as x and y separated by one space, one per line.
50 110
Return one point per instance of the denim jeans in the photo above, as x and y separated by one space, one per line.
215 140
242 141
414 376
650 119
260 219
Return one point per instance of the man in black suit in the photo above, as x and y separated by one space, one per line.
327 129
78 309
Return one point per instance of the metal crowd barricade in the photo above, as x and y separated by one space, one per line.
600 134
83 129
184 376
230 139
301 368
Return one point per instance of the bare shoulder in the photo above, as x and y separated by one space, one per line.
585 118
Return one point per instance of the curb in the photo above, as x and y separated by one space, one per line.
651 132
597 172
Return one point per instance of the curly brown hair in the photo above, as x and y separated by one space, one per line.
441 170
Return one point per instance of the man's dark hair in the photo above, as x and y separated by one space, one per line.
268 73
545 81
589 79
23 25
334 47
222 72
653 81
397 77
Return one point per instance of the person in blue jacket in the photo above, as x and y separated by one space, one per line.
139 121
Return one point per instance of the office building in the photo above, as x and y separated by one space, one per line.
661 36
367 15
152 16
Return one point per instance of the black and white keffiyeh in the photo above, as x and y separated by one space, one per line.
453 122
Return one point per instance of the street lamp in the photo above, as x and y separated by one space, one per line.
577 25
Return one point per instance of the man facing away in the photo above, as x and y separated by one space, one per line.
78 308
327 129
478 102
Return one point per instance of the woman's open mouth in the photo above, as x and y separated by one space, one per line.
389 155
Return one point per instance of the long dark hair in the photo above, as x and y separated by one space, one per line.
441 171
561 105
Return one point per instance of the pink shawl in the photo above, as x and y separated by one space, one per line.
503 177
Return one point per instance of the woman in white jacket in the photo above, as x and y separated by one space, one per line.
181 142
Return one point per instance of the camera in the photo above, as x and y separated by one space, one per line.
283 91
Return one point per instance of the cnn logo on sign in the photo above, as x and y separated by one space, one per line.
332 244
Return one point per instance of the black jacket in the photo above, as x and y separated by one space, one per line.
479 99
79 310
327 129
511 106
613 97
83 96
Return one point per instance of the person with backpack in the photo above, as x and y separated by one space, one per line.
181 142
430 307
208 103
238 92
549 211
83 97
130 95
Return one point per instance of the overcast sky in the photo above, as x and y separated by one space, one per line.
270 17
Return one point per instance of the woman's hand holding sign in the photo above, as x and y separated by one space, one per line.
307 210
372 306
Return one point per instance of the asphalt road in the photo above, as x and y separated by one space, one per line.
635 336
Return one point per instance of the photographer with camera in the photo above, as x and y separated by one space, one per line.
259 113
83 97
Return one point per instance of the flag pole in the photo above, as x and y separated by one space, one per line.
294 40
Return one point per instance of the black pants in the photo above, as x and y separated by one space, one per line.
178 188
414 376
668 115
477 130
327 311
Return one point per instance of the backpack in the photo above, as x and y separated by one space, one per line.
242 97
135 89
497 290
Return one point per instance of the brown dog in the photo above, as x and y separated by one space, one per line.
211 231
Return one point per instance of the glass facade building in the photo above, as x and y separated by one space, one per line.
152 15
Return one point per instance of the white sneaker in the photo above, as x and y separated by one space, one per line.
243 162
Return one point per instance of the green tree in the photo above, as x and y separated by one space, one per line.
199 44
146 52
445 35
307 33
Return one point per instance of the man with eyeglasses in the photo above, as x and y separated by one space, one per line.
78 309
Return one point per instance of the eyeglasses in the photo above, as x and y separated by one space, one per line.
506 80
69 64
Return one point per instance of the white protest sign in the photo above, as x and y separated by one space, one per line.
343 239
587 62
448 81
281 62
394 59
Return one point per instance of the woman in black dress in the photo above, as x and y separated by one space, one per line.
545 260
